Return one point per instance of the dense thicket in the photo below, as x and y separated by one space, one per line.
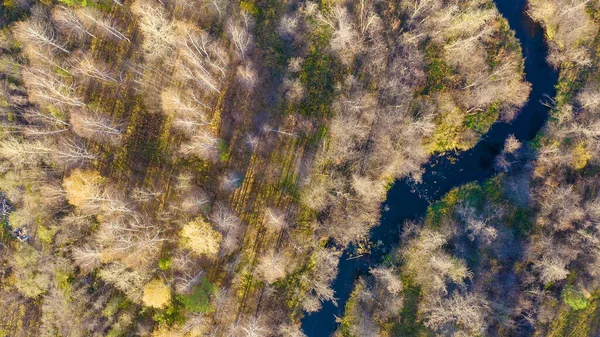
194 167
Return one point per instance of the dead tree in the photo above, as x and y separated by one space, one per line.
95 126
73 153
203 60
47 86
93 17
241 38
93 69
204 145
69 22
35 32
158 29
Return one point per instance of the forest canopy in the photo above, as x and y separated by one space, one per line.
198 167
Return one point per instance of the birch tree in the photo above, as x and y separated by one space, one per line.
47 87
36 32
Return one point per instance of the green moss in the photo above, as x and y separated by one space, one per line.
576 323
575 299
249 7
164 263
473 194
568 84
537 141
273 53
172 315
503 40
443 209
46 234
292 285
198 299
592 8
63 280
223 151
113 306
438 71
481 122
101 4
289 185
317 76
62 72
5 230
410 325
57 113
348 319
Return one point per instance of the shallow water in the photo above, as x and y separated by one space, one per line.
407 200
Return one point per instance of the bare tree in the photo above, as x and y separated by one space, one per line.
468 313
73 153
69 22
203 145
134 241
559 206
34 31
36 117
95 126
193 201
430 266
49 88
89 67
22 153
326 261
247 75
589 97
219 6
158 30
368 19
288 330
84 189
129 281
255 327
345 40
272 266
185 282
241 38
231 181
275 219
571 26
87 258
287 27
229 224
188 116
203 60
417 7
94 18
42 55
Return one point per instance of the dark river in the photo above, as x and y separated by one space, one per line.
407 200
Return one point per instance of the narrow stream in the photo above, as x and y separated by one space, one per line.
407 200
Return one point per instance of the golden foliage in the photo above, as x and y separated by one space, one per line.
156 294
81 186
581 156
199 237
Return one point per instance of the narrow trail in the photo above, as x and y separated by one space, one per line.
407 200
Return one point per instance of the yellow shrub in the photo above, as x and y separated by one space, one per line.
81 186
580 156
199 237
157 294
